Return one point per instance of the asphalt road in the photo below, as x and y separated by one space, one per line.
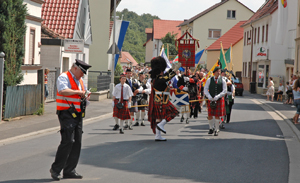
254 147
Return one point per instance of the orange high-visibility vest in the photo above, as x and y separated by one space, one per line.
62 101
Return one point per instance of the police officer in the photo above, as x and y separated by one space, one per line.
71 100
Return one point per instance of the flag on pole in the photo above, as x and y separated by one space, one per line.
198 56
228 55
163 54
121 29
222 58
210 73
282 21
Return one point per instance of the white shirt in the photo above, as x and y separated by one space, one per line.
280 88
148 90
232 89
127 92
140 89
206 87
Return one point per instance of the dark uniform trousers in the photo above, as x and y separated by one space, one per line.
68 151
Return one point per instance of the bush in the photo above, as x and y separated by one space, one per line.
117 80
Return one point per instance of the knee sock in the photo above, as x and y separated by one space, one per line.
137 116
130 120
143 115
116 120
217 123
211 123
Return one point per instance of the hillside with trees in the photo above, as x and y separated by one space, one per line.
136 36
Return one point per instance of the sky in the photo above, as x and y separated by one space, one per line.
177 9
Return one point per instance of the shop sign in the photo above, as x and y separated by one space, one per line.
261 52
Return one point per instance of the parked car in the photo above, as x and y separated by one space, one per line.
239 87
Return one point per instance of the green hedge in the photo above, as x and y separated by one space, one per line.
117 80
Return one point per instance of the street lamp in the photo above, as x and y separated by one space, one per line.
2 55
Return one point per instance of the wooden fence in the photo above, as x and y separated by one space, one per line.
22 100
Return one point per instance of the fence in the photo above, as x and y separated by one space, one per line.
22 100
99 80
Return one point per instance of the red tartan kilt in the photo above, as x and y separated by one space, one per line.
167 112
220 109
123 113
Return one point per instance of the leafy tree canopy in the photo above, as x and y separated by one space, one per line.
136 36
12 32
170 39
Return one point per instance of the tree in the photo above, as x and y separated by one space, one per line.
118 70
12 32
170 40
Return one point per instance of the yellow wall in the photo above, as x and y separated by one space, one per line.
237 57
217 19
100 18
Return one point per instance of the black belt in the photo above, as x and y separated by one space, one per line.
120 99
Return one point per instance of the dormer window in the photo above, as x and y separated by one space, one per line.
230 14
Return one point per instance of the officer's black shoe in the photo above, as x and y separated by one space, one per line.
125 127
72 176
130 128
222 126
54 175
211 131
143 124
121 131
116 127
136 124
216 133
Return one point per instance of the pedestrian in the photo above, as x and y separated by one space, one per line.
46 83
121 102
296 93
161 110
270 91
142 98
215 90
229 100
279 91
71 101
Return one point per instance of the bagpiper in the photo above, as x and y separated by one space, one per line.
161 110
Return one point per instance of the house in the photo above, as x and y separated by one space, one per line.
155 34
234 37
31 62
297 44
65 20
263 56
212 23
127 60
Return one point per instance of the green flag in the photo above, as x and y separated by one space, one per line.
222 61
227 55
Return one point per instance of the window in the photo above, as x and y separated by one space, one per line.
249 69
245 38
258 31
231 14
263 34
254 36
250 37
31 45
261 75
214 33
267 30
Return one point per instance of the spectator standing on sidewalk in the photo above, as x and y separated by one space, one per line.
279 92
289 92
296 93
270 91
46 83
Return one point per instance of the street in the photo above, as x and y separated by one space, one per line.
256 146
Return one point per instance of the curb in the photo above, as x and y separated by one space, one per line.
49 130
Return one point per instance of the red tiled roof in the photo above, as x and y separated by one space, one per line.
208 10
233 36
127 58
268 8
49 33
148 30
162 27
60 16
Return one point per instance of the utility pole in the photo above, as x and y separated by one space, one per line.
2 55
112 84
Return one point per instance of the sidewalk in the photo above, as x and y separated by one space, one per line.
286 109
34 123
